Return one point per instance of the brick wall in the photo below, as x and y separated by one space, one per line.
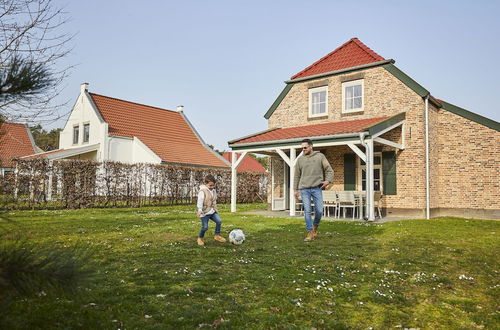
384 95
468 175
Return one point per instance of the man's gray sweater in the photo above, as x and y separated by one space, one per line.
311 170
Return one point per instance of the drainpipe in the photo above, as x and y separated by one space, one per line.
427 189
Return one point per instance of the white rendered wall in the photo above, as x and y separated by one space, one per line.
120 149
81 114
130 150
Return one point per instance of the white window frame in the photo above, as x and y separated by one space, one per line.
359 171
316 90
78 137
349 84
83 133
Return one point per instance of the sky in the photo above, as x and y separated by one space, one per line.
226 61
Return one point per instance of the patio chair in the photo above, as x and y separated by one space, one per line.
299 206
346 199
329 201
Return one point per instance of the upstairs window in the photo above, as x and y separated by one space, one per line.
76 134
86 132
352 96
318 101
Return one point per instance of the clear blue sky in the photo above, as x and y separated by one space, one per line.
226 61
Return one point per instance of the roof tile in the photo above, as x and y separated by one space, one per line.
166 132
310 131
350 54
247 164
15 142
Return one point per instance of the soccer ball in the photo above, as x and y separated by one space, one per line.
237 236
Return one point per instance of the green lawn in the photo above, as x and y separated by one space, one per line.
150 274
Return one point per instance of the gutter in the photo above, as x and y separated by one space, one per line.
354 68
427 186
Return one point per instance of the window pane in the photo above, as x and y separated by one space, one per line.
363 185
376 174
357 90
376 185
322 96
376 160
357 103
322 108
348 92
86 131
363 174
348 104
76 130
315 98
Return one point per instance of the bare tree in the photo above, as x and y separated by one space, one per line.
32 42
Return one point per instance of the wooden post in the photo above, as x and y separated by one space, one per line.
292 181
369 181
233 181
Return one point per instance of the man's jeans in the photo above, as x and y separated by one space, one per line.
317 195
204 224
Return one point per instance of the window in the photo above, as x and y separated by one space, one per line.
76 133
377 172
86 132
318 101
352 96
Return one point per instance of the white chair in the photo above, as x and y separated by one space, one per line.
299 206
346 199
329 201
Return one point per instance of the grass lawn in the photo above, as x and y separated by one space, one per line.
150 274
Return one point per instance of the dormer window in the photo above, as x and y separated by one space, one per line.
318 101
352 96
76 134
86 132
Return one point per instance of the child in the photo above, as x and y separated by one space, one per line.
207 209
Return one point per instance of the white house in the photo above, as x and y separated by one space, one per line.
103 128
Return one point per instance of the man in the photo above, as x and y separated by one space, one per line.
312 174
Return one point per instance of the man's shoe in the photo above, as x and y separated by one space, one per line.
219 238
309 237
201 241
315 230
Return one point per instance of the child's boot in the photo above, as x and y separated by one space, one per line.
219 238
201 241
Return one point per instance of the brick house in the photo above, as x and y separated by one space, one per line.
381 131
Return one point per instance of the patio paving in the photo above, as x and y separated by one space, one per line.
286 214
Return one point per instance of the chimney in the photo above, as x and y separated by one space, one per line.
180 108
84 87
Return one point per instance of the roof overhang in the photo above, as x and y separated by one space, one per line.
64 153
335 72
373 131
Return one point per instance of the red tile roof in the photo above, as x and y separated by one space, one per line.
15 142
167 133
350 54
311 131
247 164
